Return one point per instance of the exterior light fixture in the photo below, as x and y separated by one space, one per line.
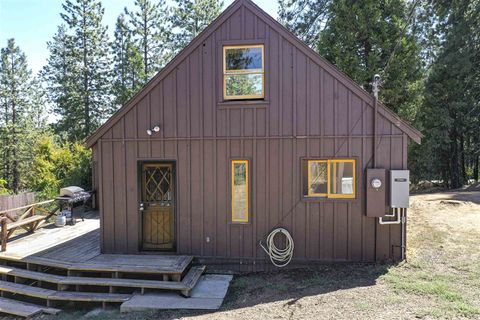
153 130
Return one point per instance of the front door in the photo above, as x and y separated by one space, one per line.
158 206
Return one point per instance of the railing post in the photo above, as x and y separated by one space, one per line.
3 233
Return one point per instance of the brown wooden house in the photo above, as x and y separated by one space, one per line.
245 130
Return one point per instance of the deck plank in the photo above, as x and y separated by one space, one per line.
49 239
77 248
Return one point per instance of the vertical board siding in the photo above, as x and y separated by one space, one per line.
309 114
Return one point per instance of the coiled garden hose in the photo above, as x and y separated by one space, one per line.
279 257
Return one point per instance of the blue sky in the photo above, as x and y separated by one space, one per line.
34 22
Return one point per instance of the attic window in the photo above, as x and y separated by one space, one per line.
243 72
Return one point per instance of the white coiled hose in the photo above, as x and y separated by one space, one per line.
279 257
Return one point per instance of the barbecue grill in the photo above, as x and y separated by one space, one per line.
72 202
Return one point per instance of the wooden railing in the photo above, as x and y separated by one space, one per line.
31 218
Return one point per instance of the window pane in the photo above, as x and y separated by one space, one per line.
244 85
342 178
243 58
317 178
240 191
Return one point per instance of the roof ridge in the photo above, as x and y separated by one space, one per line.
389 114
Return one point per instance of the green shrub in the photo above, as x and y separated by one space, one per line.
56 165
3 187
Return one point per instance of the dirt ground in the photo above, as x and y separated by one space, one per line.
440 280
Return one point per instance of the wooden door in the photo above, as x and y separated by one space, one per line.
158 206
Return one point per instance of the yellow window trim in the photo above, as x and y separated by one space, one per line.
244 71
234 162
329 174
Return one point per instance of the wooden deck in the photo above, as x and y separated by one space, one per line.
65 264
77 248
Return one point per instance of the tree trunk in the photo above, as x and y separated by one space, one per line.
455 174
85 78
462 159
15 172
145 46
475 167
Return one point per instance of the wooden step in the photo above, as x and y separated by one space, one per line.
116 263
187 283
23 309
48 294
16 272
17 309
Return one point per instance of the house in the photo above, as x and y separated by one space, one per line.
248 129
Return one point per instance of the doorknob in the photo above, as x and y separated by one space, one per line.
141 207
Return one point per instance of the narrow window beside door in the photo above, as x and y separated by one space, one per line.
240 191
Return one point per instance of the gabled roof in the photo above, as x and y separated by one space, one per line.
413 133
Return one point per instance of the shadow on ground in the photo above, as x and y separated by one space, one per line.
287 285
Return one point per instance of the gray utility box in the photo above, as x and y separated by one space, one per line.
399 188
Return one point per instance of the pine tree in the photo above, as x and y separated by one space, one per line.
23 115
305 18
190 17
450 115
128 69
78 69
59 77
367 37
150 32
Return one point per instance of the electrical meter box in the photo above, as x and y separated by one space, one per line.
399 188
376 194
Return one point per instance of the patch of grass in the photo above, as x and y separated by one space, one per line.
363 305
438 286
423 284
278 286
239 283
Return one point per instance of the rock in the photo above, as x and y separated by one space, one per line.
94 313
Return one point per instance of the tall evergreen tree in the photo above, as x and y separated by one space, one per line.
363 38
59 77
128 69
305 18
151 33
14 81
190 17
22 114
450 115
78 70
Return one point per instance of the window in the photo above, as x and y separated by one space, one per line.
243 72
240 187
329 178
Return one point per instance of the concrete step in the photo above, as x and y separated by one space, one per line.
208 294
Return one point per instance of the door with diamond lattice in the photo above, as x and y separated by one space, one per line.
158 206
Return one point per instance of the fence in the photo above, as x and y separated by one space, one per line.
9 202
